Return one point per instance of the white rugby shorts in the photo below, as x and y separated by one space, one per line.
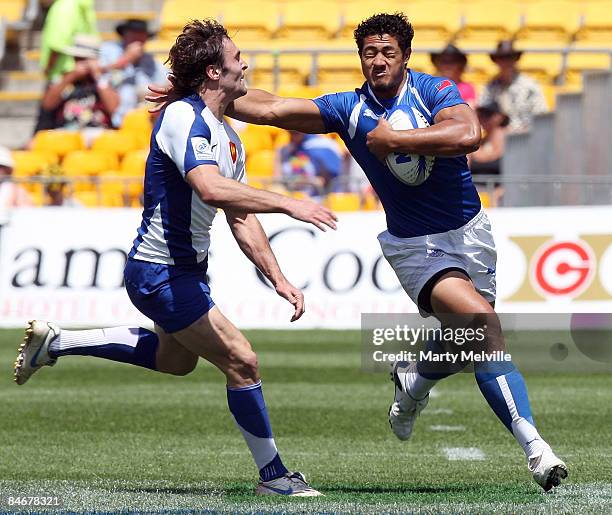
469 248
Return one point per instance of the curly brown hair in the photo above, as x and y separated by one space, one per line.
396 25
198 46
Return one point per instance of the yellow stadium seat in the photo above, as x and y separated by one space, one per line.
431 30
117 142
482 64
485 198
340 68
261 163
300 92
248 20
89 162
421 62
293 69
282 139
256 138
550 94
309 20
487 24
434 21
549 23
175 14
596 29
353 13
580 62
12 10
544 67
133 163
114 189
343 201
57 141
32 162
137 120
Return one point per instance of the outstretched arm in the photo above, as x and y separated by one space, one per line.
253 241
263 108
456 132
219 191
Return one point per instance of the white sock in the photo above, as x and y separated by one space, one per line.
94 337
528 437
416 385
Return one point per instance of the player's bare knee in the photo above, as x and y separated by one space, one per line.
243 365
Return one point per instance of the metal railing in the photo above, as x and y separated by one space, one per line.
561 190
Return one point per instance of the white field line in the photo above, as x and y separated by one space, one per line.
464 454
437 411
442 427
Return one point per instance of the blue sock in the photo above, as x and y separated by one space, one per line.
134 345
249 409
503 386
434 370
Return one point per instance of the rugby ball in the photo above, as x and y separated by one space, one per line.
411 169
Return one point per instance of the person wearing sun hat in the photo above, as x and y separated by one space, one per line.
517 94
129 68
450 62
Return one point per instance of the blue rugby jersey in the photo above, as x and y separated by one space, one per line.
447 199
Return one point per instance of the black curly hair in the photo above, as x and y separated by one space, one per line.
199 45
396 25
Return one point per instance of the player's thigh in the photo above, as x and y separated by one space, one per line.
172 357
456 303
217 340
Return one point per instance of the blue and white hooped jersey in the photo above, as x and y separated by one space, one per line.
175 222
447 199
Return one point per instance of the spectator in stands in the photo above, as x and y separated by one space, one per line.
487 159
130 69
11 194
65 19
309 163
82 99
517 94
58 191
451 63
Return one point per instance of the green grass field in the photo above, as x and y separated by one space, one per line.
109 437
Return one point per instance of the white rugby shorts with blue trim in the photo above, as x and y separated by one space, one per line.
470 248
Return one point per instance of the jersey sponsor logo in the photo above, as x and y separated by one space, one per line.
233 151
202 149
443 85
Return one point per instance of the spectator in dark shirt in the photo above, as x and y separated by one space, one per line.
82 99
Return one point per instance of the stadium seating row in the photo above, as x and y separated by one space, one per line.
531 23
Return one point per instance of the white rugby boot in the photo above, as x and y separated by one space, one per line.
34 351
292 484
404 410
547 469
